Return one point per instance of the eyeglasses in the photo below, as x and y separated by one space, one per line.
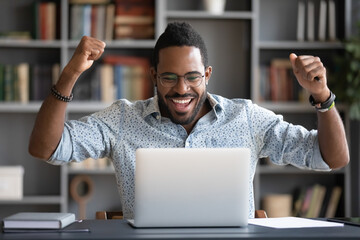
192 79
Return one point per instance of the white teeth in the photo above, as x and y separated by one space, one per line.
181 101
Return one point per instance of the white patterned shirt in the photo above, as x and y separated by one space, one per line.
117 131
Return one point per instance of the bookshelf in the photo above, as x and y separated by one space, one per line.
247 34
276 37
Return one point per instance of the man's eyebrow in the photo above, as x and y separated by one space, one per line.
165 73
168 73
193 72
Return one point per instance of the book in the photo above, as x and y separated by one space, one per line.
298 201
50 21
109 22
134 19
100 22
306 202
333 202
2 84
38 220
310 20
332 21
23 70
322 21
316 201
8 83
281 82
76 22
300 34
107 83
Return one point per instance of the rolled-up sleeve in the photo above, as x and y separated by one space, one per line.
285 143
63 152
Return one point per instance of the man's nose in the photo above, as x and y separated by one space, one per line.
181 85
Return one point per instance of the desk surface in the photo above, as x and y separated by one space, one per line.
119 229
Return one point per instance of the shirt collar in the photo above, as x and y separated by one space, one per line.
153 109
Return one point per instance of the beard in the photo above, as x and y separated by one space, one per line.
166 111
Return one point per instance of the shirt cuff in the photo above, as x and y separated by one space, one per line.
318 162
63 152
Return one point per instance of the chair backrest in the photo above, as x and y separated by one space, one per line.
109 215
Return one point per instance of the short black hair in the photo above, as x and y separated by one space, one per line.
180 34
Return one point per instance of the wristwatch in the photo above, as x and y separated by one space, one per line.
324 106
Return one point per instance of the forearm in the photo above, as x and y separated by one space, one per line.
332 139
49 123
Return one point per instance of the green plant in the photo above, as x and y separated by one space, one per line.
345 81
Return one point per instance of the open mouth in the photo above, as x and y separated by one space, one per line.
181 105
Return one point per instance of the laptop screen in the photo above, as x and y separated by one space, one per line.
190 187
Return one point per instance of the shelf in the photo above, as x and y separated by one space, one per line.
206 15
33 107
299 45
293 107
30 43
15 107
98 171
126 43
34 200
292 170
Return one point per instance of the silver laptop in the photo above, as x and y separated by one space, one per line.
188 187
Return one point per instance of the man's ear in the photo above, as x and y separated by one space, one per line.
208 72
153 76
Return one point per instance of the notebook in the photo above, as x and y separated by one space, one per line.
188 187
38 220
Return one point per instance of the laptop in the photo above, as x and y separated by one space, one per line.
191 187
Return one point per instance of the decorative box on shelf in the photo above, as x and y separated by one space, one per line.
11 182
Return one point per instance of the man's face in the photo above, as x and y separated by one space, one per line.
183 104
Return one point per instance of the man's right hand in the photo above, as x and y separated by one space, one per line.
88 50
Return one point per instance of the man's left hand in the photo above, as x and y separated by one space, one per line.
311 75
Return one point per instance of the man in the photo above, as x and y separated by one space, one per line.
184 114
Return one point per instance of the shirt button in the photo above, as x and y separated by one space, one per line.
187 144
157 117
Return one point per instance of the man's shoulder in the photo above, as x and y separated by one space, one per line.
122 107
128 104
225 102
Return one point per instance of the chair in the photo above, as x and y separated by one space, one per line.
119 215
109 215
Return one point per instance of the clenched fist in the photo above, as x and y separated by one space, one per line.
88 50
311 75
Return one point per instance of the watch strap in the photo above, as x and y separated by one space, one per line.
324 106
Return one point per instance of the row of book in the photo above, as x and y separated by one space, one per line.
317 201
46 20
308 202
278 83
317 19
120 19
46 24
115 78
24 82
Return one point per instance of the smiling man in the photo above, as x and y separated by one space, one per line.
184 114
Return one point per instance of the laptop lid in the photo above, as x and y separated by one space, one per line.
188 187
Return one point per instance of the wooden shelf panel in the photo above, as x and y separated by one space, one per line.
298 45
206 15
34 200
